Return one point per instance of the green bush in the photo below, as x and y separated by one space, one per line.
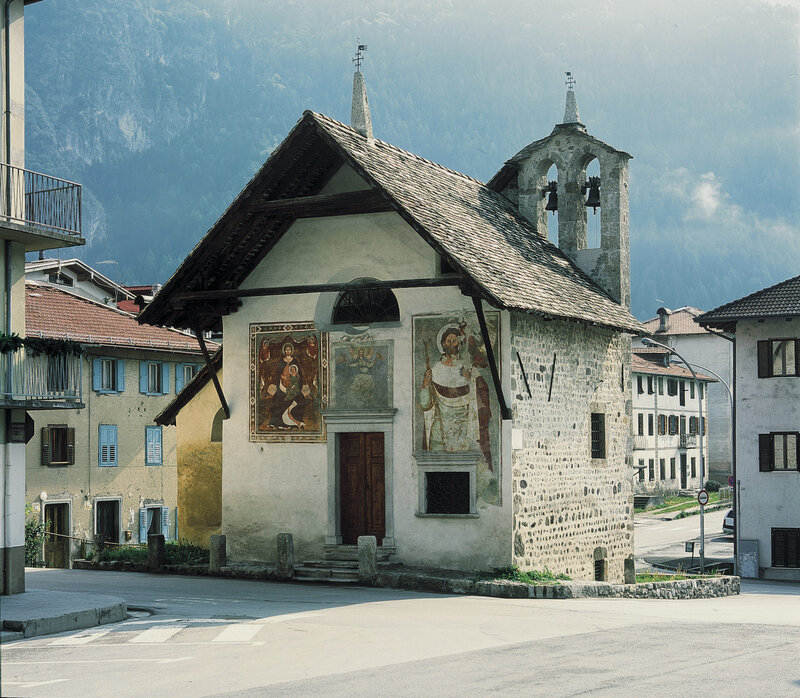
123 553
712 486
180 552
34 536
514 574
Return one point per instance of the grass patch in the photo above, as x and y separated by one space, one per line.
645 577
514 574
679 504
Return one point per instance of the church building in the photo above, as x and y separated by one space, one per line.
408 357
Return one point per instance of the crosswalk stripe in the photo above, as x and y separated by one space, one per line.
158 634
242 632
81 638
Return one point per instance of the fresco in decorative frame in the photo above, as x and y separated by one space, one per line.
361 374
288 382
456 408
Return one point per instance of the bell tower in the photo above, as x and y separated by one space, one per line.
571 149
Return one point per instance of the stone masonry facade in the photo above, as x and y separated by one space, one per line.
570 510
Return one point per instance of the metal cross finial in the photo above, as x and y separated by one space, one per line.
359 59
570 80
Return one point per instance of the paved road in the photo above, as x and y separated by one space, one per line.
234 637
654 534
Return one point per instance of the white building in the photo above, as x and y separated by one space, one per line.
408 357
766 325
667 431
714 352
37 212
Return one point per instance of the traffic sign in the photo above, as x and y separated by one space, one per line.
702 498
731 481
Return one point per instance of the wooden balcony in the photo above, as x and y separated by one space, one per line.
40 382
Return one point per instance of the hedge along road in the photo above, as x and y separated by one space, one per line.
212 636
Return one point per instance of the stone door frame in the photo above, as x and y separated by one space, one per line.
345 421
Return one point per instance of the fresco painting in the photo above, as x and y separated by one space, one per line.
288 382
456 407
362 374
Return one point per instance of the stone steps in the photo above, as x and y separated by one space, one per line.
320 573
349 553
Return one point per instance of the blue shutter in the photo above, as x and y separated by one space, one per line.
165 522
177 537
143 377
97 374
152 452
165 379
120 375
179 377
107 446
143 525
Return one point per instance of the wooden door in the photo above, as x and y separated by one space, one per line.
362 488
684 482
108 520
56 542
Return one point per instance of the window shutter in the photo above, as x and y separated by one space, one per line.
165 522
46 455
165 379
153 445
143 377
177 537
797 357
179 377
143 525
120 375
764 452
112 444
97 374
70 446
764 363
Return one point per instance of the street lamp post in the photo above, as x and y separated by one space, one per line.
701 427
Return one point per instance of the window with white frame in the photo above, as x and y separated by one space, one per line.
184 373
108 375
153 378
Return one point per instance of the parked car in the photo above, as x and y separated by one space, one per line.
727 524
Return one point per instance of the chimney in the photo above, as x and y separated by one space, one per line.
663 314
360 118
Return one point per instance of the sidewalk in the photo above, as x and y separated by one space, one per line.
39 612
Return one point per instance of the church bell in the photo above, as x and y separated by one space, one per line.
593 200
551 191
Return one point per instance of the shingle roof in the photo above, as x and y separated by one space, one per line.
476 228
167 416
53 312
483 233
639 364
780 300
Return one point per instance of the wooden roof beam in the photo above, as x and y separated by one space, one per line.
319 205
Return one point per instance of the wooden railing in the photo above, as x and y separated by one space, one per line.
36 199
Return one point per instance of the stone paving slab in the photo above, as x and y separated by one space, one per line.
39 612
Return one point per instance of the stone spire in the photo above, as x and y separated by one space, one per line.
360 118
571 115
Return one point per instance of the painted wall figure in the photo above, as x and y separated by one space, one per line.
287 387
362 374
459 413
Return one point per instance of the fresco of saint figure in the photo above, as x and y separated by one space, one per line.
457 409
362 375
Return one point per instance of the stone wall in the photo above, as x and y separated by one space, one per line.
570 509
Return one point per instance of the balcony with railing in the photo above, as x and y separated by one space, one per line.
688 441
41 204
641 443
31 380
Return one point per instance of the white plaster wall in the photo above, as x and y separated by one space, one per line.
766 500
270 488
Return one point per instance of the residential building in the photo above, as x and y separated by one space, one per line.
708 351
106 470
37 212
766 325
411 359
668 432
80 278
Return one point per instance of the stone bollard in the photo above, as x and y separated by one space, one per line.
630 571
217 554
367 559
285 565
155 552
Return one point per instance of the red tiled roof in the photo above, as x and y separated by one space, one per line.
639 364
53 312
129 307
679 321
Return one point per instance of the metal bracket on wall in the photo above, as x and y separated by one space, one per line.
552 375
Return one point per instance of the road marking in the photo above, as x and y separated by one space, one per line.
103 661
159 634
33 684
82 637
243 632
